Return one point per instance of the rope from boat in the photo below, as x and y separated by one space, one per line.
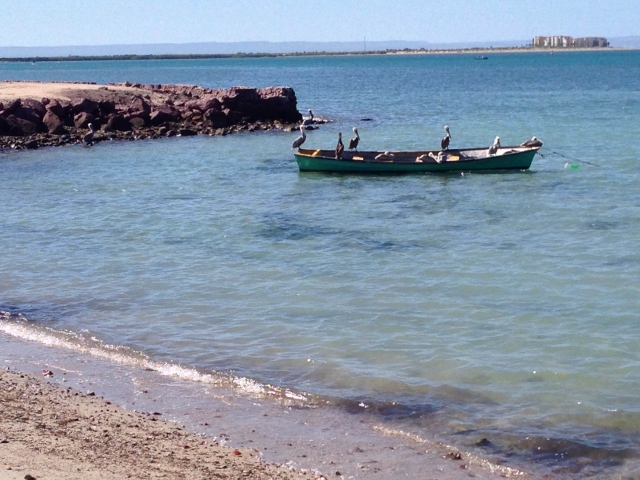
566 157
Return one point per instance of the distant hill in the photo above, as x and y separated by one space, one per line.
238 47
625 42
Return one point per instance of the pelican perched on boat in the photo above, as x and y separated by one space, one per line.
385 156
309 119
353 143
339 146
88 138
534 142
444 143
493 149
439 159
300 140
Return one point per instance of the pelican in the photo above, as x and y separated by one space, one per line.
308 121
444 143
534 142
339 146
439 158
88 138
385 156
493 149
353 143
300 140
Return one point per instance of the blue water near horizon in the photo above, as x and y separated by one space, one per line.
498 306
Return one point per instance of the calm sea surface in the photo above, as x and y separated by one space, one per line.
502 306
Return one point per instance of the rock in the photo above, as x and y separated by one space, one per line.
187 132
117 123
28 113
53 124
216 118
79 105
10 107
83 119
138 104
107 107
232 116
164 114
137 122
19 127
34 105
55 107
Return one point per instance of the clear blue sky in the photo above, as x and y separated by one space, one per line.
102 22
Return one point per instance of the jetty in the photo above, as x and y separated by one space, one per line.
40 114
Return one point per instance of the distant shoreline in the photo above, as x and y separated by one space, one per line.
422 51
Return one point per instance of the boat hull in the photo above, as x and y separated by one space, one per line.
514 158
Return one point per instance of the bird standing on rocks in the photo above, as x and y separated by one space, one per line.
88 138
308 120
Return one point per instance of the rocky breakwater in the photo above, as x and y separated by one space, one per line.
134 111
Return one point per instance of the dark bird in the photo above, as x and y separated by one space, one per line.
493 149
444 143
300 140
88 138
534 142
353 143
339 147
308 120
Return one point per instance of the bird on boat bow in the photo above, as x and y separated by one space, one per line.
353 143
300 140
339 146
493 149
444 143
534 142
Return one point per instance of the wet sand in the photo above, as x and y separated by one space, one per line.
53 426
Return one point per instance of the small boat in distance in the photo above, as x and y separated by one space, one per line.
464 159
481 57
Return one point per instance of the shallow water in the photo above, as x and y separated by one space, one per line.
497 305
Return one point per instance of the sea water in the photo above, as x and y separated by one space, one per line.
498 306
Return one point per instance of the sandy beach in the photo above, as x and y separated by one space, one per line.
50 432
74 416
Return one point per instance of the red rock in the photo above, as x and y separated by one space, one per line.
53 123
34 105
55 107
10 107
118 123
164 114
138 122
138 104
83 119
19 127
28 113
216 118
79 105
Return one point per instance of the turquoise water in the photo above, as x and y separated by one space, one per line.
499 305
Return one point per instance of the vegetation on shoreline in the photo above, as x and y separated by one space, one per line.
80 58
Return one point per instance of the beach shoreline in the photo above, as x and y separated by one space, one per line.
275 439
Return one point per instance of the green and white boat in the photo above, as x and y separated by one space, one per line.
459 160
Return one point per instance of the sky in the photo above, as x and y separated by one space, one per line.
116 22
